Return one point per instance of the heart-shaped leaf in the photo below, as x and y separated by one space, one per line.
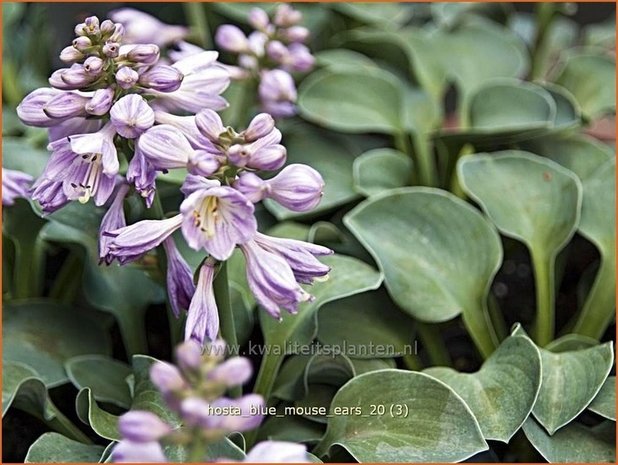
381 169
502 393
604 403
571 380
56 448
366 325
533 200
105 376
365 365
351 102
438 257
574 443
43 335
590 77
438 425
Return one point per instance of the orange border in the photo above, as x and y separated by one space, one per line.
289 1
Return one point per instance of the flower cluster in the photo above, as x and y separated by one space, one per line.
217 215
104 101
274 50
194 390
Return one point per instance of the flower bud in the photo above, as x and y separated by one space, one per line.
251 186
118 33
258 18
144 54
245 421
101 102
131 116
126 77
259 127
93 66
277 51
166 377
70 54
165 147
277 85
66 105
203 163
295 34
107 28
233 372
111 49
297 187
162 78
82 43
138 452
76 77
189 355
268 158
209 124
80 29
232 39
142 426
286 16
196 412
30 110
300 58
92 25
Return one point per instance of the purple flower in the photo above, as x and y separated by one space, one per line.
93 66
264 154
131 116
166 377
114 219
203 81
287 16
66 105
299 255
258 18
210 125
186 125
203 317
189 355
232 39
243 422
131 242
180 287
277 452
138 452
299 58
72 78
142 175
297 187
260 126
165 147
30 110
271 280
126 77
277 93
295 34
140 27
14 184
101 102
72 126
142 426
141 54
162 78
70 55
232 372
84 166
217 219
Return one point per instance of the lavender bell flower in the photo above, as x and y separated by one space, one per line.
126 77
186 125
232 39
30 110
131 116
271 280
217 219
166 148
264 154
78 125
260 126
49 194
162 78
232 372
203 317
297 187
142 175
277 93
142 28
66 105
277 452
101 102
166 377
180 286
138 452
131 242
142 426
299 255
114 219
14 184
